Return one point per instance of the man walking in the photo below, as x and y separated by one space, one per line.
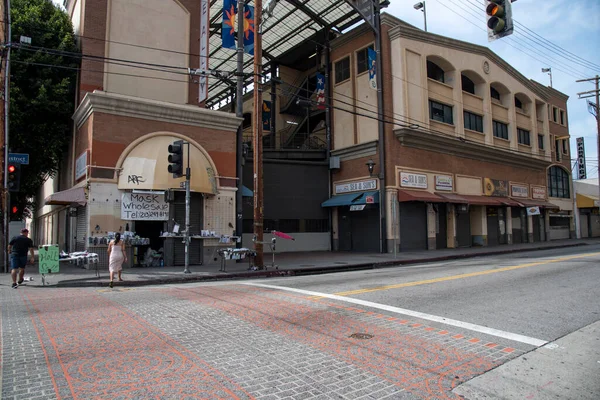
17 248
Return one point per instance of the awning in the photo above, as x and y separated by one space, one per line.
536 203
417 195
363 198
508 201
586 201
341 200
470 199
247 192
145 167
73 196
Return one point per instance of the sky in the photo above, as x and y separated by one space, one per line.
560 34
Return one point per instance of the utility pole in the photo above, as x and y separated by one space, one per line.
186 238
257 137
585 95
239 112
6 196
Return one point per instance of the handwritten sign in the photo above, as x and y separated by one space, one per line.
144 207
48 259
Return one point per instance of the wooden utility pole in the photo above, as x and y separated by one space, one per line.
257 142
594 93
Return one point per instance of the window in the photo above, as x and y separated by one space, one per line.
557 150
500 130
554 114
473 122
435 72
342 70
558 182
518 103
562 117
362 60
494 93
440 112
467 84
540 141
523 137
564 147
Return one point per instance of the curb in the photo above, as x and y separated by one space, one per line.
303 271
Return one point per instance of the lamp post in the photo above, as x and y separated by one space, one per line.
370 164
421 6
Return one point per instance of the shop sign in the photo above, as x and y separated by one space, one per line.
370 199
408 179
81 165
148 206
443 182
357 207
519 191
538 192
581 171
359 186
533 210
495 187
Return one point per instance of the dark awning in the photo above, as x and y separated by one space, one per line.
508 201
247 192
418 195
73 196
470 199
341 200
536 203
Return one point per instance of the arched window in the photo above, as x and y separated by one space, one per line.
518 103
435 72
467 84
558 182
494 93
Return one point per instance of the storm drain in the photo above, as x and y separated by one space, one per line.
361 336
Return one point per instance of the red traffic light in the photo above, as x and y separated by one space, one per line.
11 168
14 209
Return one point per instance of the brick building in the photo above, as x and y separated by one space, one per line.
129 108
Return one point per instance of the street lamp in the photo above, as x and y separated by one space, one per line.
549 71
421 6
370 164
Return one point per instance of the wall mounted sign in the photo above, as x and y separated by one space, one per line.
150 206
495 187
533 210
408 179
519 191
538 192
444 182
581 171
359 186
357 207
81 165
370 199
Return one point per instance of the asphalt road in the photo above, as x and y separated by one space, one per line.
425 331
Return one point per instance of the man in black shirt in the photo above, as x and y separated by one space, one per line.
18 247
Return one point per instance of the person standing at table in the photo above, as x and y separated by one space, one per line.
116 257
17 248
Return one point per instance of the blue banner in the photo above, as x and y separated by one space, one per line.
372 68
228 29
266 115
249 30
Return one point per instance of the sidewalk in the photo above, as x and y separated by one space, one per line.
288 264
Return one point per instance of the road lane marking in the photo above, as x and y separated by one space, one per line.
462 276
459 324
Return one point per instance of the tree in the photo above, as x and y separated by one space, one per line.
42 91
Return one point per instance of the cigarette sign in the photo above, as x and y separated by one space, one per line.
581 171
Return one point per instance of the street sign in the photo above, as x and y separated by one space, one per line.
18 158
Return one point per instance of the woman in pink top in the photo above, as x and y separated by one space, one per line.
116 257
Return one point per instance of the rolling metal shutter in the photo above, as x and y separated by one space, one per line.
81 229
413 226
196 220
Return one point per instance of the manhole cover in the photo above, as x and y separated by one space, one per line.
361 336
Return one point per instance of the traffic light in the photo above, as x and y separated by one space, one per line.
499 19
176 159
16 214
14 177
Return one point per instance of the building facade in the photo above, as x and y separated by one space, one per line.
588 206
129 108
475 153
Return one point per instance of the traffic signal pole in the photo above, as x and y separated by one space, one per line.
186 235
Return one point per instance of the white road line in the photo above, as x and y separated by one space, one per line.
460 324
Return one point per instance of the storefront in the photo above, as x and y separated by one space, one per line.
356 212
